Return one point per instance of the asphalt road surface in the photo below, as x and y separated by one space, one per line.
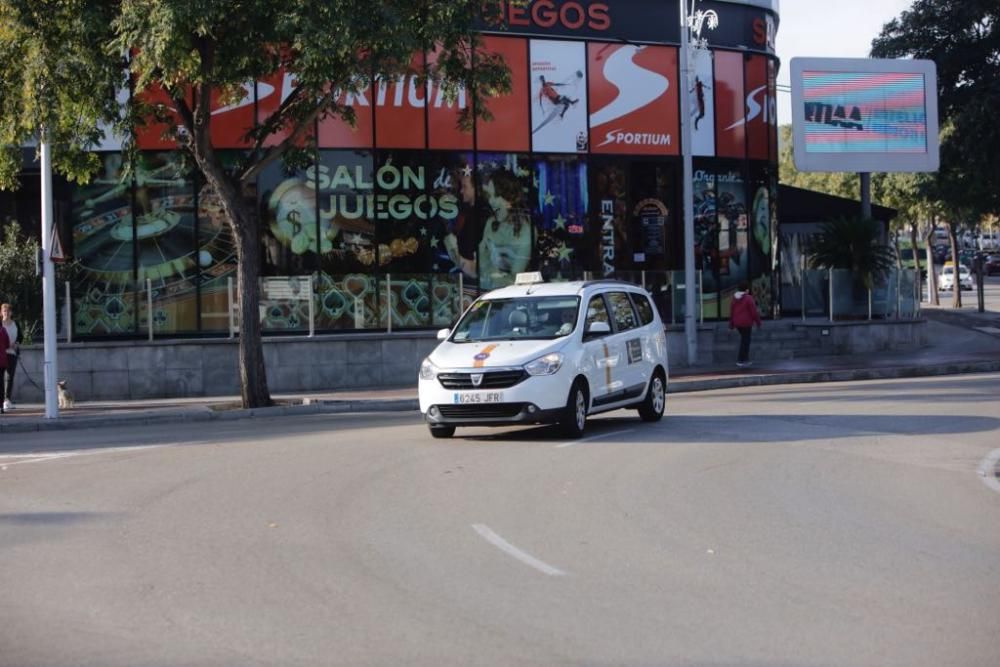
833 524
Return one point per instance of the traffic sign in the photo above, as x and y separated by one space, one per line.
56 253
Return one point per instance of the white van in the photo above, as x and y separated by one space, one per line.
539 352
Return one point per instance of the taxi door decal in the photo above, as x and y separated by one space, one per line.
607 369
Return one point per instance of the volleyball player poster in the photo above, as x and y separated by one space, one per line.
633 99
558 97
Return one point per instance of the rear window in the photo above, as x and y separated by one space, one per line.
643 307
622 311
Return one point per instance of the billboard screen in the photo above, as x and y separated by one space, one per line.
864 115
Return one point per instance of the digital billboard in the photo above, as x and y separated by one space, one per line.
864 115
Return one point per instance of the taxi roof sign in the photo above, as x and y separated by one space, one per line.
530 278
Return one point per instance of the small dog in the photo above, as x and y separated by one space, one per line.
66 400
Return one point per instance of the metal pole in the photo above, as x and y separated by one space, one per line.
461 294
388 303
802 283
830 281
701 298
50 350
149 308
866 195
869 304
69 314
312 313
643 278
229 302
690 327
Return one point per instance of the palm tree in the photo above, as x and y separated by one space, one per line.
854 244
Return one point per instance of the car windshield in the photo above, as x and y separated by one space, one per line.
520 318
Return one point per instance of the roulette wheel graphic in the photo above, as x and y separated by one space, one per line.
168 250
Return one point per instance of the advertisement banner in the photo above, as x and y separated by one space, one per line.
508 131
443 115
759 108
399 109
620 20
150 135
335 132
558 97
271 92
730 106
231 121
633 97
702 104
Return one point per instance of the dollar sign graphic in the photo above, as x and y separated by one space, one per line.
293 217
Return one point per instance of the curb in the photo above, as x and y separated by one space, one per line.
331 407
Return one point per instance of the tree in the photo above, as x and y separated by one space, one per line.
200 52
963 38
853 244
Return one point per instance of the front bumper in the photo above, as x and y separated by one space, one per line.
494 414
535 399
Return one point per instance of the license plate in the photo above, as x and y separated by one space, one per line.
479 397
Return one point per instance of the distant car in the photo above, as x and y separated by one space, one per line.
946 280
940 253
991 264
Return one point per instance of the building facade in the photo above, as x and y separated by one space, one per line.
577 174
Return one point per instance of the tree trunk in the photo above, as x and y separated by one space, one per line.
253 376
956 289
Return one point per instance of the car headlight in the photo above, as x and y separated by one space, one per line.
546 365
428 371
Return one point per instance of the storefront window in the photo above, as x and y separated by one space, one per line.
706 232
217 253
733 243
561 204
506 191
104 294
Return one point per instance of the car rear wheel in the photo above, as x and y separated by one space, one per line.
651 408
574 419
441 431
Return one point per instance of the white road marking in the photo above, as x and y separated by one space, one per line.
510 549
39 458
987 470
594 437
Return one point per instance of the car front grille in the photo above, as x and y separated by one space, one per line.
483 411
491 379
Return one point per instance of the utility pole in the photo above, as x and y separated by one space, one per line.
48 282
690 323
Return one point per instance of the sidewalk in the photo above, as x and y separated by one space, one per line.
952 350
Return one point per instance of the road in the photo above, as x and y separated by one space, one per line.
829 524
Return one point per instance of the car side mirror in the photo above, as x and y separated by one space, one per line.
443 333
598 328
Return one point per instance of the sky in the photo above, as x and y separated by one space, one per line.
828 29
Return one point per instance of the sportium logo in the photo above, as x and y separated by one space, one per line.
619 138
406 91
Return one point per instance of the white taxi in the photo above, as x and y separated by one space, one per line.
540 352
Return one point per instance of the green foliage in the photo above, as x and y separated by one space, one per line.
853 244
963 38
19 285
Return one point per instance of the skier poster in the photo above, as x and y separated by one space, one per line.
558 97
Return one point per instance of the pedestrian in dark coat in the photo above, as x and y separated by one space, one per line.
742 316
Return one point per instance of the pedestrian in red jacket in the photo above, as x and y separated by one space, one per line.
4 344
742 316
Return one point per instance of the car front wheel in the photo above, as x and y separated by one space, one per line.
574 419
651 408
440 431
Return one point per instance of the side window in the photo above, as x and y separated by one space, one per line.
622 311
596 312
643 307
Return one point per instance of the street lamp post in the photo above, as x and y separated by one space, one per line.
48 283
690 323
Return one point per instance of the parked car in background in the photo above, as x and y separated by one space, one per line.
946 280
940 253
991 264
